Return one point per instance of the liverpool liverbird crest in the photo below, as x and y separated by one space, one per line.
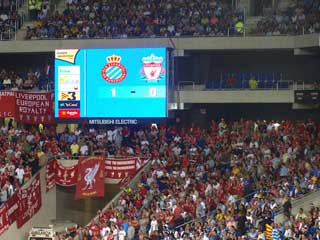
90 176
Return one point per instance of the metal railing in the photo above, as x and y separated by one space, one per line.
223 85
186 84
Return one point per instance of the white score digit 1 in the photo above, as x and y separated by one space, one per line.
113 92
152 92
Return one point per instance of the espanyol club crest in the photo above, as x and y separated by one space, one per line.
114 71
152 69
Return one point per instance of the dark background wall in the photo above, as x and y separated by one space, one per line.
84 210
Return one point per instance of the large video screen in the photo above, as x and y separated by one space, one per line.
111 83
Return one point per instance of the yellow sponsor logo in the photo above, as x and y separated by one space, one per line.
63 96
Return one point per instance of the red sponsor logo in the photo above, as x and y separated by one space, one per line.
69 113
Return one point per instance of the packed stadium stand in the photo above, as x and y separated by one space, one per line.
235 154
112 19
10 19
233 178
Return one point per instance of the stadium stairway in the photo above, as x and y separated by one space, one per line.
57 5
21 34
284 4
304 202
61 128
251 23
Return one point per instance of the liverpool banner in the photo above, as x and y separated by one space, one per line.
65 176
13 207
120 169
29 201
34 108
4 220
7 104
50 175
90 181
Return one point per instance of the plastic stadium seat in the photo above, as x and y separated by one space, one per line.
270 84
270 77
261 84
224 84
216 84
245 84
283 84
247 76
261 77
209 85
277 76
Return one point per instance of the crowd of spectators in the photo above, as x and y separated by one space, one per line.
20 152
234 177
138 18
26 80
10 20
303 18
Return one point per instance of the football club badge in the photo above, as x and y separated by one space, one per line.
114 71
152 68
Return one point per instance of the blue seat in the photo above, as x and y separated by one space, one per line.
216 84
247 76
270 77
261 77
277 76
209 85
283 84
270 84
261 84
245 83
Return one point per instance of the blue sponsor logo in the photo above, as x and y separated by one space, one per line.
69 104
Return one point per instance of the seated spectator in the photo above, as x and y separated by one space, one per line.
110 19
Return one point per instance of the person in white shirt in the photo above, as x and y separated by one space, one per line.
105 231
153 226
19 174
84 150
122 234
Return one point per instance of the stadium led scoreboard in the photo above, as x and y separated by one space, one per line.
108 85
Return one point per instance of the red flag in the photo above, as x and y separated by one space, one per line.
29 201
90 182
50 175
120 168
13 207
65 176
4 220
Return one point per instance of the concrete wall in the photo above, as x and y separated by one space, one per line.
277 42
242 96
41 219
81 211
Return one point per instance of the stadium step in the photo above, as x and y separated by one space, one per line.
251 23
304 202
60 6
284 4
21 34
61 128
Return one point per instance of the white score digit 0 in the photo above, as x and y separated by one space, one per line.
152 92
113 92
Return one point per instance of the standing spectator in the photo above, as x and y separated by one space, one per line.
287 206
20 174
74 148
